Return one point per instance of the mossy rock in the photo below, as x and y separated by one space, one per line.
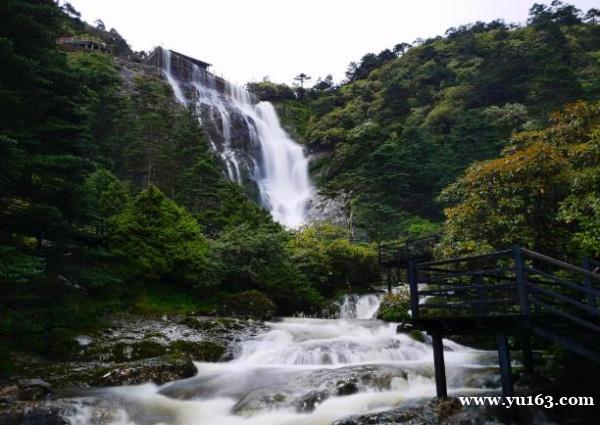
158 370
205 351
123 351
251 304
220 324
139 350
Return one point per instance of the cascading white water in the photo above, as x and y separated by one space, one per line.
279 166
213 107
166 60
298 372
282 176
355 307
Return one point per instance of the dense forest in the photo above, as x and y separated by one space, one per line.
112 200
408 121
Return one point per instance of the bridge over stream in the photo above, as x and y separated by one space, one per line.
510 292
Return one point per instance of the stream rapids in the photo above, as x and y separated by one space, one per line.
300 371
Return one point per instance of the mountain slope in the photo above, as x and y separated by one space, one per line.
402 128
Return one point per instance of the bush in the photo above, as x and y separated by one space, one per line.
252 304
330 261
394 307
161 242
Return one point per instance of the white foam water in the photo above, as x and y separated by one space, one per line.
279 167
355 307
275 374
166 59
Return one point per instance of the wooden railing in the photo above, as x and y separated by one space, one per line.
399 253
553 298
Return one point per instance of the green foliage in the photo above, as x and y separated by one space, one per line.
324 254
160 241
434 108
294 116
257 258
158 300
541 193
582 209
92 145
105 194
252 304
41 130
395 307
269 91
17 267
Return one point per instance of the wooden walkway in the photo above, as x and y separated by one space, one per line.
512 292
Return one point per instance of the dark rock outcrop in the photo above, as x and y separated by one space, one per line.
311 400
347 386
33 389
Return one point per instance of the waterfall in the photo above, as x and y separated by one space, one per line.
212 108
166 60
251 142
359 307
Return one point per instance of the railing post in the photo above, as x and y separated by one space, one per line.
438 365
481 306
527 352
587 282
414 289
520 278
504 361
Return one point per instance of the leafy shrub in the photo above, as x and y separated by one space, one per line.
252 304
394 307
161 241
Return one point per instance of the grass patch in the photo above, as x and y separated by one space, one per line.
159 301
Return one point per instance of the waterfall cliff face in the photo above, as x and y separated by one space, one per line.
247 136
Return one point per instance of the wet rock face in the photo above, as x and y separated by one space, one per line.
310 401
156 370
347 386
33 415
416 413
135 350
33 389
302 390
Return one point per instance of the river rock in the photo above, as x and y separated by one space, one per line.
157 370
136 349
33 389
414 413
259 400
24 414
308 402
347 386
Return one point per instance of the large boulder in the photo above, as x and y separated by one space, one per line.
33 389
158 370
249 304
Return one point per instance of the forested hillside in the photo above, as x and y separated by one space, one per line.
112 200
408 121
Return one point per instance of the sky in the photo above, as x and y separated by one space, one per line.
246 40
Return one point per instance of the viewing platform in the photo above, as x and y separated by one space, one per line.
82 42
516 292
